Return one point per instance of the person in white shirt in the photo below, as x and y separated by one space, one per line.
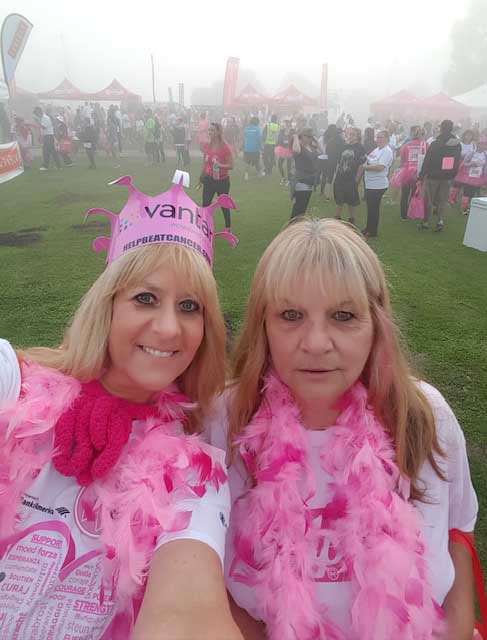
376 169
88 112
48 141
118 116
347 472
114 512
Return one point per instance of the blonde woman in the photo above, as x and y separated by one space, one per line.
347 472
113 517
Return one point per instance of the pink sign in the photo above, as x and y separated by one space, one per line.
168 217
447 163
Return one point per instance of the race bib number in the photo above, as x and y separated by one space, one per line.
475 172
413 155
87 145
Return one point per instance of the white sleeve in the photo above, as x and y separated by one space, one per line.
210 516
389 159
463 503
10 378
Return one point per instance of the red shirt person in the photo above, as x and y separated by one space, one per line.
217 162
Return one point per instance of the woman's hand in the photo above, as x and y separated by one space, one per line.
185 596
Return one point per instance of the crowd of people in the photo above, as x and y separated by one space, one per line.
346 163
438 158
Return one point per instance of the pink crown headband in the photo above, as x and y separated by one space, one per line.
168 217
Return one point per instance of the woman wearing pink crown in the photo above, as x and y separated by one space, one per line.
113 512
347 472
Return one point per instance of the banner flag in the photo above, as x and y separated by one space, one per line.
10 161
181 94
324 88
231 80
169 91
13 38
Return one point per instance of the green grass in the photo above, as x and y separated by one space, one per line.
438 285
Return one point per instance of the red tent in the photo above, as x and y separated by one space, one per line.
64 91
402 103
442 106
116 92
249 96
292 97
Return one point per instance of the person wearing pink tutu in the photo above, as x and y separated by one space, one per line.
347 470
412 155
472 175
468 148
284 152
113 513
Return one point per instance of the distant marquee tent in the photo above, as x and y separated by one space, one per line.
67 91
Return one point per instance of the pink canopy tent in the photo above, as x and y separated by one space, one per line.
293 98
401 104
64 91
249 96
442 106
115 92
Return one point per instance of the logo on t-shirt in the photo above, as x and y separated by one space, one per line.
331 565
86 514
223 520
31 502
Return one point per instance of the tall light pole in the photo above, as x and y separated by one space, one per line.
153 79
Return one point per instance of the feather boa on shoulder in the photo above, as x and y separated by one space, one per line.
136 499
368 520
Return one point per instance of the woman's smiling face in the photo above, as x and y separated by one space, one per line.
156 330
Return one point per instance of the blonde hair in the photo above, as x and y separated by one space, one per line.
83 352
341 262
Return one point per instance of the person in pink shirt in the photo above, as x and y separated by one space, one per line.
412 155
217 163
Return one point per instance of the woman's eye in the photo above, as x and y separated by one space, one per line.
145 298
189 306
291 315
343 316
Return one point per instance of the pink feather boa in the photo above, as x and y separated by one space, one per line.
375 527
137 498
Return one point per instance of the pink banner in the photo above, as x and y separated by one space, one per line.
324 88
231 79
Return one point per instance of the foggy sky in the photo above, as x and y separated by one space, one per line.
379 46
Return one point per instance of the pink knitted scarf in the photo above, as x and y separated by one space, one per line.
368 520
93 430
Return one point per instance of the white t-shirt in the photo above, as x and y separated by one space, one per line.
46 125
452 504
51 571
467 149
378 179
477 164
